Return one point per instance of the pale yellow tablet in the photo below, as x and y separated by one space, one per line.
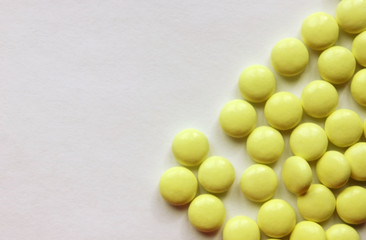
283 111
351 205
319 31
257 83
265 145
206 213
241 227
190 147
238 118
276 218
309 141
297 175
317 204
258 182
216 174
178 186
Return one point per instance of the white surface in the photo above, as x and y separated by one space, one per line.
93 92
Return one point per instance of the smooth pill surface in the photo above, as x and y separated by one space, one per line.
190 147
336 65
238 118
297 175
257 83
333 169
359 48
289 57
358 87
308 230
356 157
342 232
351 205
319 99
343 127
265 145
178 186
206 213
276 218
309 141
319 31
258 182
351 15
241 227
317 204
283 110
216 174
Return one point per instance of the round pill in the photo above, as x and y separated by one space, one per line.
258 183
276 218
308 230
297 175
289 57
319 31
343 127
342 232
356 156
238 118
206 213
216 174
319 99
317 204
241 227
178 186
336 65
257 83
359 48
190 147
333 169
358 87
265 145
351 15
351 205
283 110
309 141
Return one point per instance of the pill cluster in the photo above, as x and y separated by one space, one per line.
265 144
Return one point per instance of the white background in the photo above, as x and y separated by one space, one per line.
93 92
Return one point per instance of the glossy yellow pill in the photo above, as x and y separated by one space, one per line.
319 31
356 156
336 65
238 118
283 110
258 183
309 141
297 175
265 145
178 186
319 99
216 174
308 230
358 87
257 83
317 204
351 205
351 15
241 227
276 218
343 127
289 57
359 48
333 169
206 213
190 147
342 232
